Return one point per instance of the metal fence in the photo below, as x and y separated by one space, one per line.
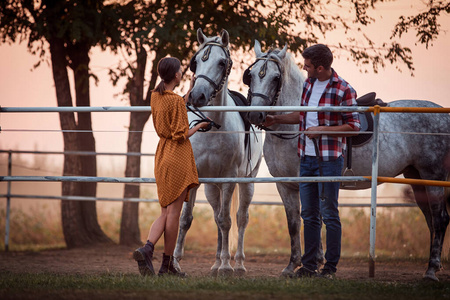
374 179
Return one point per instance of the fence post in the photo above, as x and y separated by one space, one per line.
373 201
8 202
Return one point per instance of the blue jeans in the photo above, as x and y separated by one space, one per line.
314 208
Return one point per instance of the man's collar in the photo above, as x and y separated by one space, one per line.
334 77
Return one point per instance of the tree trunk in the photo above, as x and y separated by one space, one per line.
129 227
79 218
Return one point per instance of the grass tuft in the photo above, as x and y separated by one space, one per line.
115 286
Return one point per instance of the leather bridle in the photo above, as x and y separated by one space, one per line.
262 72
205 57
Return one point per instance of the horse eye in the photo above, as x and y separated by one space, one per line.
222 63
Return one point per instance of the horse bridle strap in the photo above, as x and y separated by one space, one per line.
205 57
216 87
203 118
283 136
262 72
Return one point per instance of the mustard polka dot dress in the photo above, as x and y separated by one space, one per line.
175 168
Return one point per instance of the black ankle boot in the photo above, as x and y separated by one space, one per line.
144 256
168 268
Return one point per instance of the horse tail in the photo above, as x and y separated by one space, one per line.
234 234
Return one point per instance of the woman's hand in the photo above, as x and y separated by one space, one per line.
191 85
203 124
194 129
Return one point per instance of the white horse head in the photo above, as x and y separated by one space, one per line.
212 65
273 79
236 154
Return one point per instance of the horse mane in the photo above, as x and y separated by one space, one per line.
292 75
291 72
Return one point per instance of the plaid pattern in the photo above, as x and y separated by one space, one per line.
337 93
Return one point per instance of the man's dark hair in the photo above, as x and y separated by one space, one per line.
319 55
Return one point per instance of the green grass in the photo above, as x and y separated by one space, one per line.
119 286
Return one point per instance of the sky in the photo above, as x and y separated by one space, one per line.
22 86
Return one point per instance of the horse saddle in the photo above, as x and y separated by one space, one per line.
240 100
366 119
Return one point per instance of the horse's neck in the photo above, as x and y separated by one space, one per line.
291 92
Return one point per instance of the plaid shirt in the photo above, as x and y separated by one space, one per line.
337 93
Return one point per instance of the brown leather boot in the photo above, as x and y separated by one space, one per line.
168 268
144 256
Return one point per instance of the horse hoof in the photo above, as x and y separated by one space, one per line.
226 272
287 275
240 272
287 272
214 272
430 277
176 264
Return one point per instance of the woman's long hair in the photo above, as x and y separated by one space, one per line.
167 68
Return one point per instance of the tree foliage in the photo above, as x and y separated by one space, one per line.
67 30
64 32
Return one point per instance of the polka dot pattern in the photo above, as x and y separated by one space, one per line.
174 159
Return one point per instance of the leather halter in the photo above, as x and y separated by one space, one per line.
205 57
262 72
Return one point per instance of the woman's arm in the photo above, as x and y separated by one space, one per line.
194 129
191 85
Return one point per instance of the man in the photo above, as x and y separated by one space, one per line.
324 151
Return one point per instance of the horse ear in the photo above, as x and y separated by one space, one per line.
225 37
200 36
257 49
282 53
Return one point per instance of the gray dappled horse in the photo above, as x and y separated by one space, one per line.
404 148
220 154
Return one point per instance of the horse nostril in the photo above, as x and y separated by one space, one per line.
261 118
202 99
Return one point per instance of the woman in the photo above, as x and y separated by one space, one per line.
175 170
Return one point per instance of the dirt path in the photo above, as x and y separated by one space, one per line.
118 259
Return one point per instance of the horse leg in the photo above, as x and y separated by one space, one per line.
212 193
224 219
246 191
432 204
185 223
440 222
290 195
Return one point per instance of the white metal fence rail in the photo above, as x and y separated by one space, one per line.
373 179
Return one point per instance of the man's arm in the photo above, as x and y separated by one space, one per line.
291 118
345 127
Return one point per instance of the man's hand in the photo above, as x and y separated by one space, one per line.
311 135
270 120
